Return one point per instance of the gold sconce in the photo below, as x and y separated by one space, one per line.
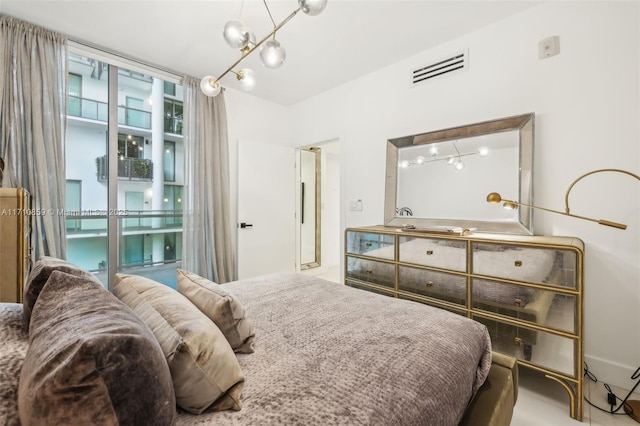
495 198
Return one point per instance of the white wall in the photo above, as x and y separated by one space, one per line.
254 120
586 102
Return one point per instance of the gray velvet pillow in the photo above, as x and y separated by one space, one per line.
221 307
205 371
91 361
40 274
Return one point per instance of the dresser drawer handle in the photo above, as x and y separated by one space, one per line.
368 244
517 302
429 284
429 252
517 341
518 263
368 271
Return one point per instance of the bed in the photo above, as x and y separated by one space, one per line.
327 354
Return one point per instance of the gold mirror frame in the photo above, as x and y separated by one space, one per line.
524 124
316 213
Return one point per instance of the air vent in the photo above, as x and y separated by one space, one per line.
451 65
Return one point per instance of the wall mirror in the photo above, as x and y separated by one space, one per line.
442 178
310 202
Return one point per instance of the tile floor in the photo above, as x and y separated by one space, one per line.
543 402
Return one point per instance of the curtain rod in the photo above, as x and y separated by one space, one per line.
74 42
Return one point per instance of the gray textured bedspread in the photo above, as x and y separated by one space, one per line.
331 354
326 354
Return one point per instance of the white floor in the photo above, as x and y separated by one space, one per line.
543 402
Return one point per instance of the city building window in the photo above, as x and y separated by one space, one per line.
74 106
173 116
169 161
130 146
169 88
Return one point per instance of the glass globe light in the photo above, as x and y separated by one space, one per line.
482 151
272 54
420 159
247 79
210 86
312 7
404 164
433 151
236 34
458 165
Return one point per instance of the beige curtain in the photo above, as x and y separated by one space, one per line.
207 245
33 99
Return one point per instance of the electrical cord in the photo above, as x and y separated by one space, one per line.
611 397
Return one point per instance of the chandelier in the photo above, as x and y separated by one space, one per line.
239 36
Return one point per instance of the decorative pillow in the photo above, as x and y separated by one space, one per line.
221 307
40 274
205 371
91 361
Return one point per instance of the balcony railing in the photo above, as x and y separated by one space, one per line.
96 110
128 169
92 222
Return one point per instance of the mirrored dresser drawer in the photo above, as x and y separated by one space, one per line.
434 252
370 244
371 271
534 305
523 343
527 264
439 285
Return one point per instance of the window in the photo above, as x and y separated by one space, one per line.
169 88
173 116
130 146
74 106
142 235
172 203
73 203
169 161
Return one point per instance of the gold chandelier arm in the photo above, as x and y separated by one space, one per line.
248 52
604 222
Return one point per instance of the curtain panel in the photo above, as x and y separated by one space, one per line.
33 104
208 248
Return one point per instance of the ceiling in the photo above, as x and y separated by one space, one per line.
349 39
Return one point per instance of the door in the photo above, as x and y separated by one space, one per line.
266 207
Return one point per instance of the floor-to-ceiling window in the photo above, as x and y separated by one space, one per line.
148 229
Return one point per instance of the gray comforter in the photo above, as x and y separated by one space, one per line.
331 354
326 354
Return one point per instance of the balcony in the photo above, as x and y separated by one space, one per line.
96 110
136 169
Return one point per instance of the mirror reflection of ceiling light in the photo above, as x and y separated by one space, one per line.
455 160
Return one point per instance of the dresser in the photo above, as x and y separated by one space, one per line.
527 290
15 241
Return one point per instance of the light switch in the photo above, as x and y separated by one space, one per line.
548 47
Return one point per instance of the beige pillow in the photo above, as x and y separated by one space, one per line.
221 307
204 369
91 361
